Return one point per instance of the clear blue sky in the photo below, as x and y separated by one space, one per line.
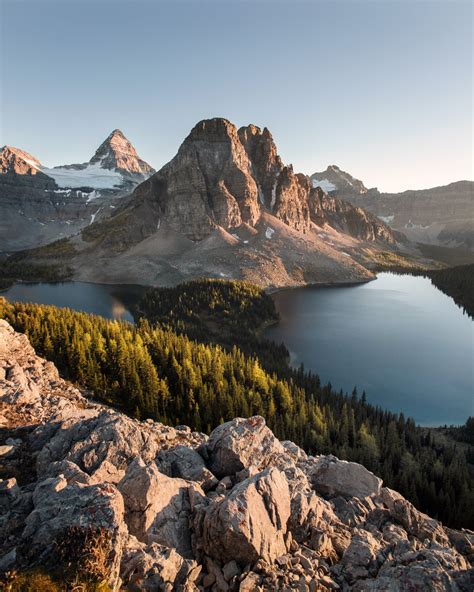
381 88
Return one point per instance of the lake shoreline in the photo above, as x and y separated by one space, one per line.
117 301
346 354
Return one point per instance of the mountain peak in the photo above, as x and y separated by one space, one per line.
117 153
334 179
15 160
117 132
216 129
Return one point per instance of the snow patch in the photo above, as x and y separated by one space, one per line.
93 216
93 175
92 195
325 184
260 195
269 232
386 219
416 226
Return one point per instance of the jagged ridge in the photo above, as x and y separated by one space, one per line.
224 177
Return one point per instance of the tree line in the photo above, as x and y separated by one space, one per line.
151 370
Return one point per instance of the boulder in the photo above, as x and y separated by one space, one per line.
240 443
186 463
102 446
331 477
250 523
158 507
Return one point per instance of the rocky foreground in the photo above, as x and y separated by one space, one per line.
146 506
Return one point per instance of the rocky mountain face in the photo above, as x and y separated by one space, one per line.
222 176
227 206
440 215
40 204
94 495
14 161
347 218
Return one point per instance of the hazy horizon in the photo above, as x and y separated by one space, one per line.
383 90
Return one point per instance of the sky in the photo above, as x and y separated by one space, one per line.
381 88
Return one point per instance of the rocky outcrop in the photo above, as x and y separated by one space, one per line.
350 219
239 444
94 495
332 477
248 524
266 163
158 507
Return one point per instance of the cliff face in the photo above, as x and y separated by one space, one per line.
207 184
352 220
91 493
224 177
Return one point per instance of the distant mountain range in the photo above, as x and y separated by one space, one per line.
225 206
40 204
440 215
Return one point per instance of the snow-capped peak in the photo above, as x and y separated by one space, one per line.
117 153
334 179
115 165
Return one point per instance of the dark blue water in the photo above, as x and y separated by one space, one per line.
399 338
110 301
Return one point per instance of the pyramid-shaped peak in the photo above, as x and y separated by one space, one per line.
117 153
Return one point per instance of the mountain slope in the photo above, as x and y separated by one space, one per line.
227 206
40 204
91 496
440 215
